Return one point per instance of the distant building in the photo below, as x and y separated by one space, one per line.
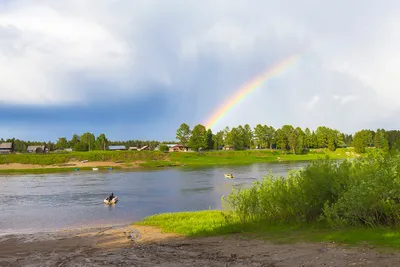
179 148
116 148
228 147
6 148
144 148
36 149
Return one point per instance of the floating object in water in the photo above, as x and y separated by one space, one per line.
110 168
229 175
76 169
95 169
113 201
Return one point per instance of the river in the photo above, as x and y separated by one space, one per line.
31 203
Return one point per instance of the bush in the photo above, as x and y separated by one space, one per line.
164 148
365 191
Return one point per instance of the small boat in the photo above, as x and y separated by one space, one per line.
113 201
229 175
95 169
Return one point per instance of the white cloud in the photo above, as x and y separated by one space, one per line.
310 105
50 50
345 99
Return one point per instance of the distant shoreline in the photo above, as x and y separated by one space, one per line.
128 160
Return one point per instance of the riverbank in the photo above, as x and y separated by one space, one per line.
68 162
217 223
149 246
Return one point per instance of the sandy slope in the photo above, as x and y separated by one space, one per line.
146 246
18 166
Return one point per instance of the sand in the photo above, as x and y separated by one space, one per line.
148 246
18 166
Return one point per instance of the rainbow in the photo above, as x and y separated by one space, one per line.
248 87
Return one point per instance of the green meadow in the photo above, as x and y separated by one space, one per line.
56 162
350 202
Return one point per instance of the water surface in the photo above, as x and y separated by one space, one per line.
52 201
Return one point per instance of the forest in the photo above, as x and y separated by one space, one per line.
288 138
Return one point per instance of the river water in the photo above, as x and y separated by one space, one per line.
31 203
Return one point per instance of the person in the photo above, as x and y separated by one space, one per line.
111 196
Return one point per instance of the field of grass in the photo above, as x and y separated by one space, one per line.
352 202
214 223
154 159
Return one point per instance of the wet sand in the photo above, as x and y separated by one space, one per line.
148 246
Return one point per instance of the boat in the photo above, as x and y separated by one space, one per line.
229 175
95 169
113 201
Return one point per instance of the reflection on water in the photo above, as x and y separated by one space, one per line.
53 201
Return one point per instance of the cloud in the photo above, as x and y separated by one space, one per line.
80 53
310 105
345 99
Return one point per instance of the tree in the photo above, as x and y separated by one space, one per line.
183 134
62 143
88 139
164 148
101 142
198 138
361 140
218 139
237 140
260 136
210 140
75 139
247 136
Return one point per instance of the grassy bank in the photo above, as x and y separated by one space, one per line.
51 170
154 159
351 201
214 223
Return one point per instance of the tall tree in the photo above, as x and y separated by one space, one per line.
183 134
88 139
198 140
75 139
218 139
210 140
62 143
101 142
247 136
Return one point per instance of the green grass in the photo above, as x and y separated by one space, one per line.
215 223
156 159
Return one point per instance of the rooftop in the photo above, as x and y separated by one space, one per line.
116 147
6 145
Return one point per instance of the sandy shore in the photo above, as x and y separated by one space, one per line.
18 166
147 246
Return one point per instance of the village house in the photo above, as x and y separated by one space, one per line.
116 148
36 149
179 148
6 148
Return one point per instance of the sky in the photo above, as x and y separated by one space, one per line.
138 69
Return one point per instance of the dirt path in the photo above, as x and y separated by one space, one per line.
146 246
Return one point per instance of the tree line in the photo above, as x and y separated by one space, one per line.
288 138
85 142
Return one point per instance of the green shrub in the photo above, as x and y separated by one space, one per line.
365 191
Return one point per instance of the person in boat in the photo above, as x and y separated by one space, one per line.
111 196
